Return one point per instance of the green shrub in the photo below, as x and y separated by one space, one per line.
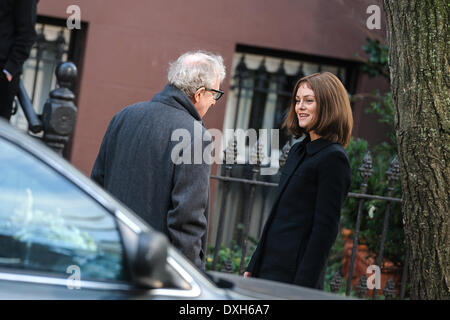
373 211
230 255
377 62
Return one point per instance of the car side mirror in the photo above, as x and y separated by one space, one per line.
150 263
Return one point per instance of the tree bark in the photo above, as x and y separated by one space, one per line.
418 38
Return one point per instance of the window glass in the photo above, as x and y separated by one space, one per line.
48 224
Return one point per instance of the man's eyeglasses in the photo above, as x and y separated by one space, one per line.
217 94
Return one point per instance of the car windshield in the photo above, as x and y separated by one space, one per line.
48 224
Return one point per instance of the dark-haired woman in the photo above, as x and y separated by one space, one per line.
304 221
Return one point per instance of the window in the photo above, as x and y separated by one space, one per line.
48 224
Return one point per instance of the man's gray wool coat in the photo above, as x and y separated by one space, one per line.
135 164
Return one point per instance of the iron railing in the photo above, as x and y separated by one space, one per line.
57 121
49 114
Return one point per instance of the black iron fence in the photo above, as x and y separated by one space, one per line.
226 180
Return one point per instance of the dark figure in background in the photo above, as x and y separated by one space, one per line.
138 161
314 183
17 36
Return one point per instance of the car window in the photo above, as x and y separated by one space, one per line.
48 224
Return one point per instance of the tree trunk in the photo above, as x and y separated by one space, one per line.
418 38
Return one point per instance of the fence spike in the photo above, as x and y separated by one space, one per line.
284 154
393 172
257 155
231 151
300 72
227 266
361 288
365 171
336 282
366 168
241 68
389 289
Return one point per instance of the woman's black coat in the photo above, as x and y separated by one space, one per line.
303 223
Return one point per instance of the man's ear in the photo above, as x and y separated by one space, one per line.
197 95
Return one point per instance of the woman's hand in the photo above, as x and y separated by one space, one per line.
247 274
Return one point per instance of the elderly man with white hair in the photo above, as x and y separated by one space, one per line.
135 161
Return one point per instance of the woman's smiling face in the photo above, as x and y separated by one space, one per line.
305 106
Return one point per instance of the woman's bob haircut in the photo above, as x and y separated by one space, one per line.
334 120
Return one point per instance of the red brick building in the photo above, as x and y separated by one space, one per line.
124 47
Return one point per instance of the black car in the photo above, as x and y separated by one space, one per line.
64 237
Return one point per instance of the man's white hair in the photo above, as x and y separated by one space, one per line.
196 69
